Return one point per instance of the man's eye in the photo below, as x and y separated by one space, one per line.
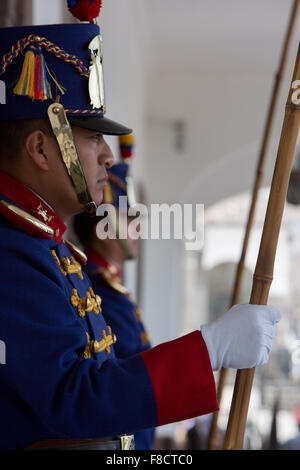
97 137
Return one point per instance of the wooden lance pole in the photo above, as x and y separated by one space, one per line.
212 441
263 274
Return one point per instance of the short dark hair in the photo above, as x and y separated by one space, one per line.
14 133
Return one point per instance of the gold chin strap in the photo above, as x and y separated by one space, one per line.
64 136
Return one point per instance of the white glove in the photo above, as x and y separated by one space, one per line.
242 337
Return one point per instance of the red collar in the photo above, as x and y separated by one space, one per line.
36 217
101 262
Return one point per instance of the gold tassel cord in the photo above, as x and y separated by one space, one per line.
25 85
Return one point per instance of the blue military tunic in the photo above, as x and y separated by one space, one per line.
61 379
124 317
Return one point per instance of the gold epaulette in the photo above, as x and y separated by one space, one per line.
28 217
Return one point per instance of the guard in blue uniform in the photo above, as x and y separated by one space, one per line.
62 384
105 264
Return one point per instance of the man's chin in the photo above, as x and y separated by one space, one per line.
99 198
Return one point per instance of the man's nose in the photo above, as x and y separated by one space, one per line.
106 157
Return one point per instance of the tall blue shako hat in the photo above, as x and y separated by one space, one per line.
56 72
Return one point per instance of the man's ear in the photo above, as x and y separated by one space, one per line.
34 145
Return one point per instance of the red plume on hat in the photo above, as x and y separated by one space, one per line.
85 10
